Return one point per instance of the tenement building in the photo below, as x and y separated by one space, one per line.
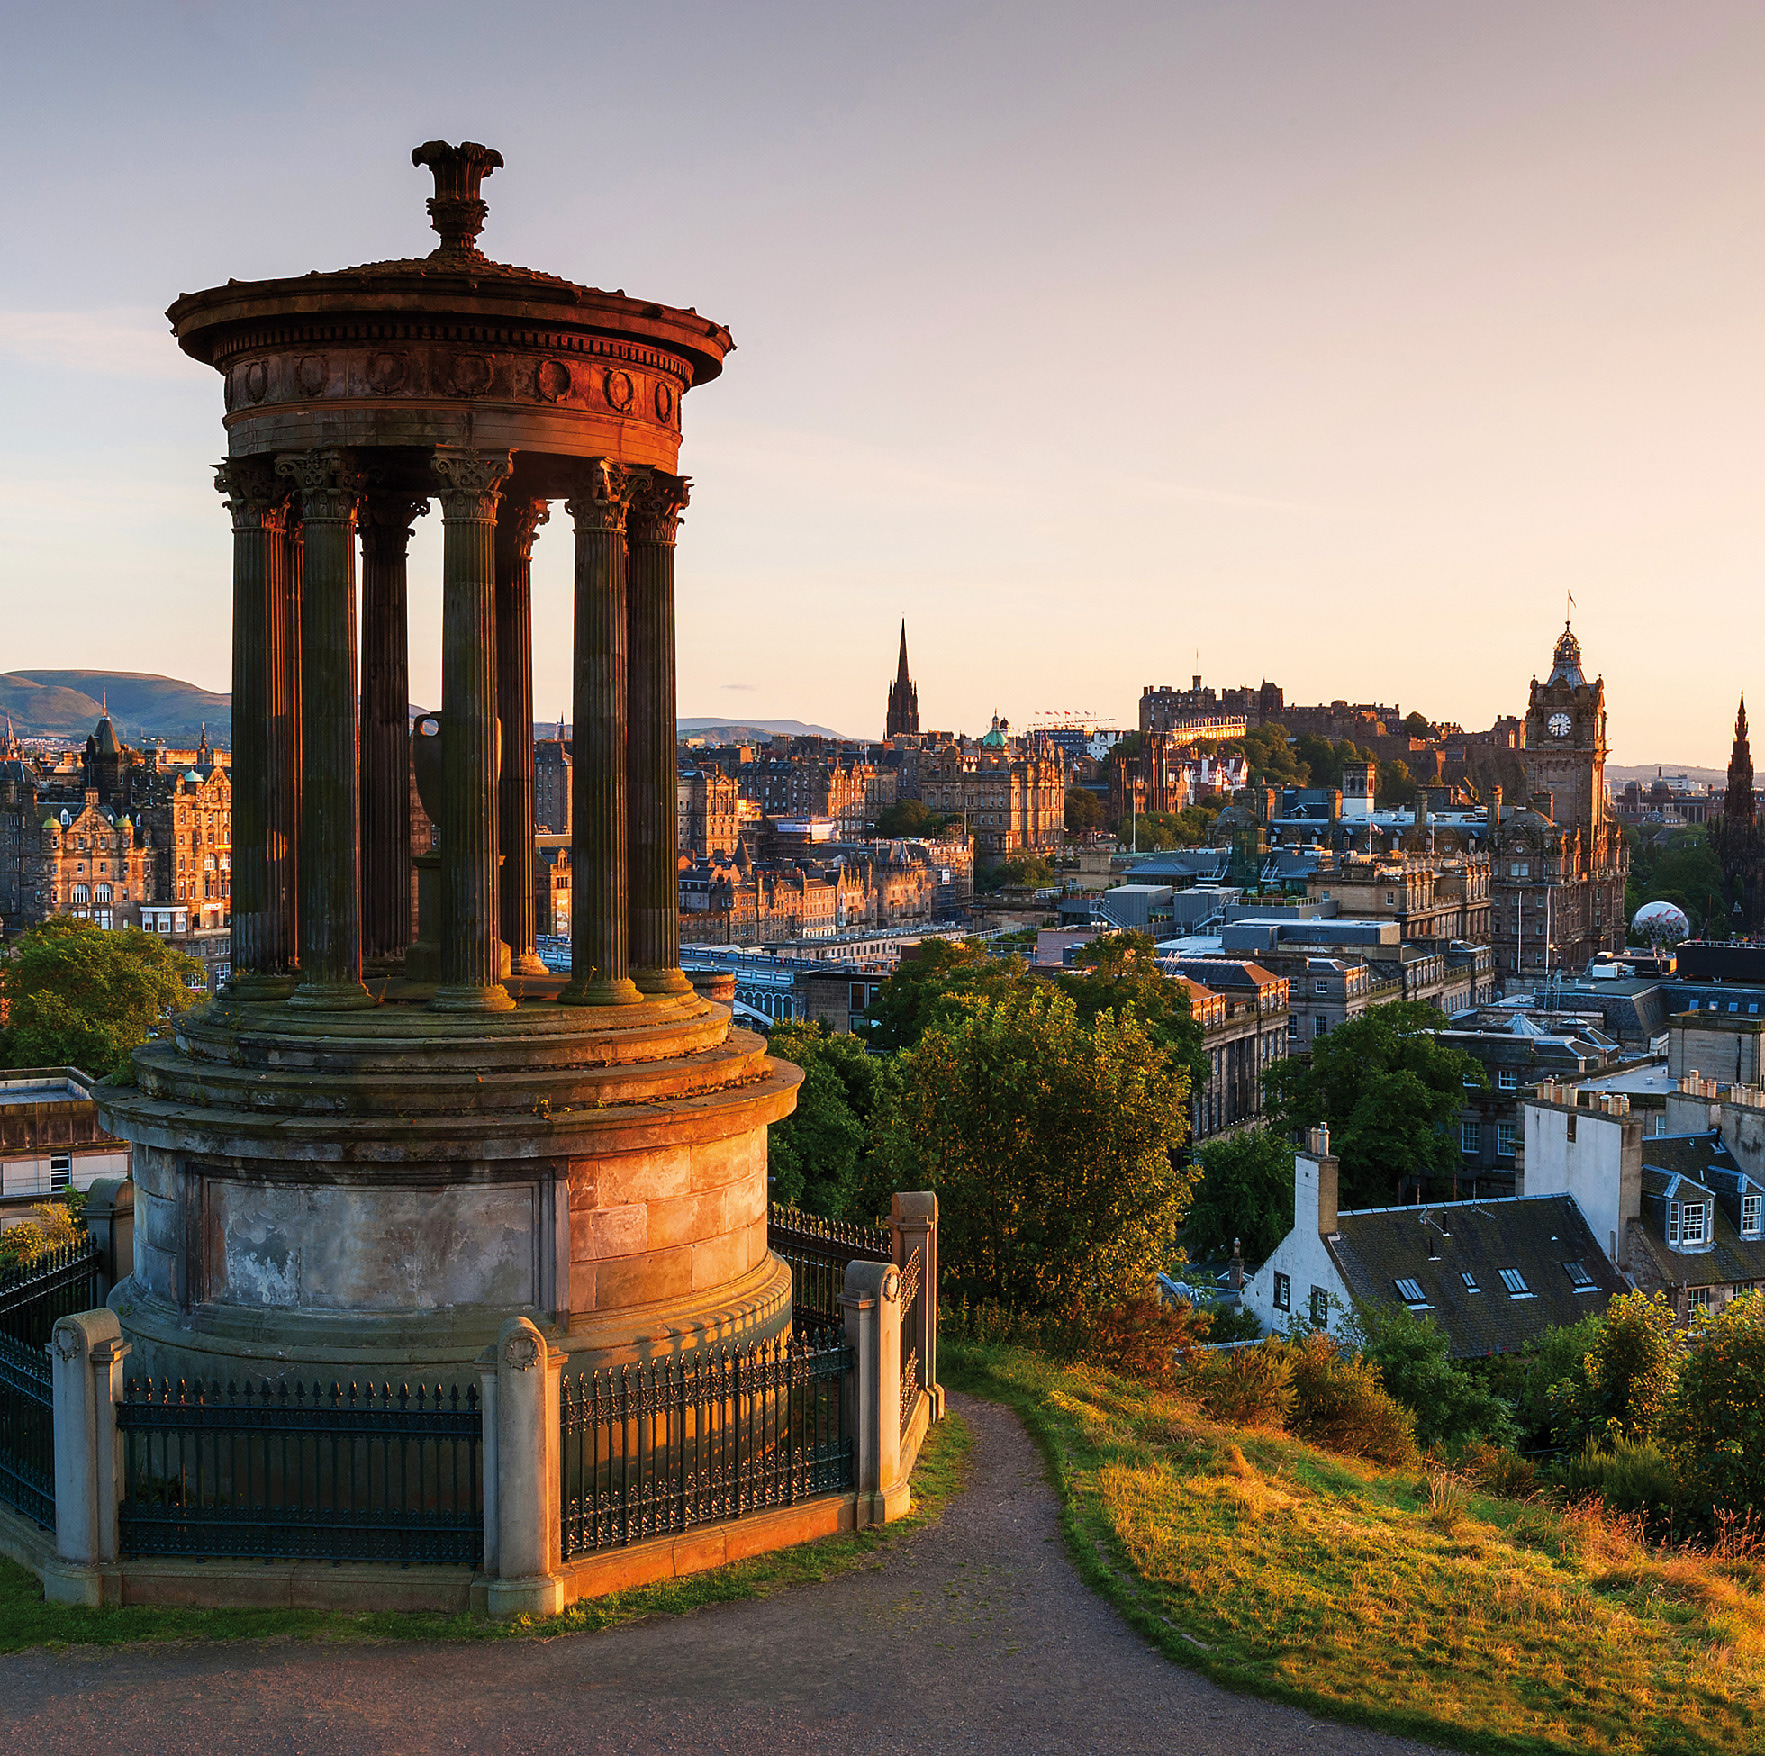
707 806
1010 791
1559 860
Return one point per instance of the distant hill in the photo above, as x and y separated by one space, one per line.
143 707
751 731
1617 773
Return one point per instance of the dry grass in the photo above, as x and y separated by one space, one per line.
1414 1602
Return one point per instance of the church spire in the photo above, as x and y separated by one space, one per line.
1738 804
903 715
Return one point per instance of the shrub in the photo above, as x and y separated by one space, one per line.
1136 1338
1339 1403
1626 1379
1228 1324
1629 1476
51 1226
1446 1502
1715 1423
1242 1386
1450 1405
1500 1472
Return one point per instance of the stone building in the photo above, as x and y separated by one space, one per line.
903 713
551 784
1010 792
1559 861
708 810
85 860
1429 896
800 784
1164 709
1243 1012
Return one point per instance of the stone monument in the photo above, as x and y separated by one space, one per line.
349 1169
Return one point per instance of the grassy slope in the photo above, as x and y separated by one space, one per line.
26 1620
1280 1570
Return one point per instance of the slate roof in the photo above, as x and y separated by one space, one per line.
1682 1167
1534 1234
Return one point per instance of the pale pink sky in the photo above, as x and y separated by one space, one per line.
1337 340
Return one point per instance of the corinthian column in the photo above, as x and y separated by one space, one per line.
471 940
656 507
515 528
263 955
284 860
329 486
386 724
599 930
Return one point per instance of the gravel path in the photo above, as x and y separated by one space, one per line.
975 1635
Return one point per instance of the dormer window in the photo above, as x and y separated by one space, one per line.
1752 1215
1694 1223
1410 1291
1470 1281
1579 1278
1515 1282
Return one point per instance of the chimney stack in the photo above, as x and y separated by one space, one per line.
1315 1184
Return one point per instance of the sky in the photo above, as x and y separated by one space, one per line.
1337 342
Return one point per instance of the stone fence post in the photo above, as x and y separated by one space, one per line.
110 1223
913 1218
871 1302
86 1356
523 1542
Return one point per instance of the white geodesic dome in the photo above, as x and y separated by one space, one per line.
1660 923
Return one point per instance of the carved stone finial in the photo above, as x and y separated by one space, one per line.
456 210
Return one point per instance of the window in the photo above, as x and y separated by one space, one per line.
1699 1297
1320 1308
1515 1282
1579 1278
101 893
1471 1137
61 1170
1470 1281
1320 1026
1672 1222
1752 1215
82 893
1506 1079
1410 1291
1504 1140
1320 987
1283 1292
1694 1222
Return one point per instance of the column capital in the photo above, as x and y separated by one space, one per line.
471 482
602 498
254 496
516 526
657 501
329 483
386 520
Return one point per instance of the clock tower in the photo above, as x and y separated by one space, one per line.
1565 753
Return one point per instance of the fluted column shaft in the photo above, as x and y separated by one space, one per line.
284 853
515 528
386 724
656 507
258 502
330 826
599 927
471 937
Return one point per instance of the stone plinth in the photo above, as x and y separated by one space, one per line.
375 1194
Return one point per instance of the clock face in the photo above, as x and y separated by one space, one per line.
1559 725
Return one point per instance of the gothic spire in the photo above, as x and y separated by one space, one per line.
1739 802
903 715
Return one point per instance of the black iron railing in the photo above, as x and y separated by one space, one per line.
354 1473
817 1251
27 1432
650 1450
57 1284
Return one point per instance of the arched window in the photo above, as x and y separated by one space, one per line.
81 894
102 893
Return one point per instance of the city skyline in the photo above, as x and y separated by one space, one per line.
1338 345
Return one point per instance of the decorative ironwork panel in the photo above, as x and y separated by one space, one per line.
661 1447
817 1251
363 1473
27 1433
58 1284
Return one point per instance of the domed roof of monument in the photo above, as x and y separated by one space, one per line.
455 279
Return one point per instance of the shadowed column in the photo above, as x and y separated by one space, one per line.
599 942
330 827
386 724
471 936
258 502
284 853
656 505
515 528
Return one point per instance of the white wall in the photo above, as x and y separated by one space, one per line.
1590 1167
1301 1256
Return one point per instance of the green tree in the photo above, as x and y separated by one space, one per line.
1389 1092
1397 786
1450 1404
1678 866
1246 1192
817 1157
1715 1420
1325 760
943 980
1022 872
79 995
909 820
1121 969
1084 811
1416 725
1052 1145
1623 1384
1192 827
1271 758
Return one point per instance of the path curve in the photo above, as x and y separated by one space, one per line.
974 1635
